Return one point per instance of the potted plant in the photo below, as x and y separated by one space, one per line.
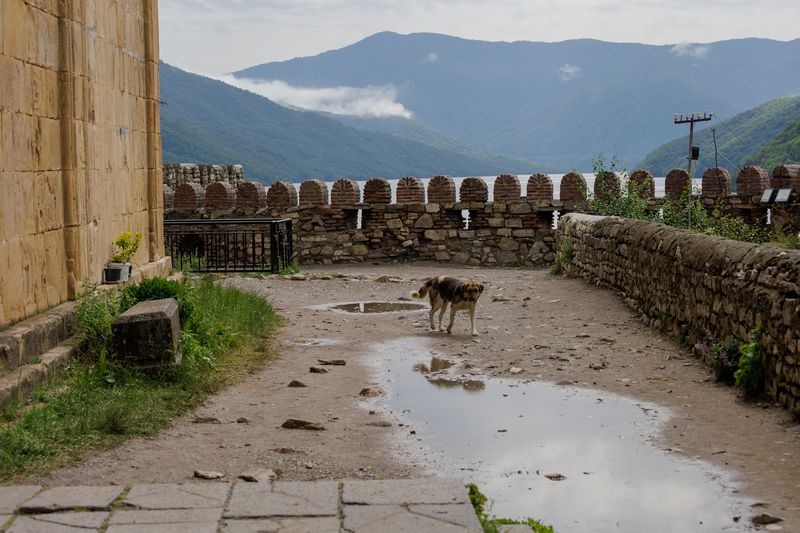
118 270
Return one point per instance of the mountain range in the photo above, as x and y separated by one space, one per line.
207 121
559 104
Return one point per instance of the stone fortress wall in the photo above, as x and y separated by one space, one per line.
516 228
80 158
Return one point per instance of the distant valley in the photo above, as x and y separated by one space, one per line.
207 121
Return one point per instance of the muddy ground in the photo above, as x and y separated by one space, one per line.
550 327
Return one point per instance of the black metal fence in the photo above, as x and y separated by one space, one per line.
230 245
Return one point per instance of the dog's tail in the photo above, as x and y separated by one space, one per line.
423 291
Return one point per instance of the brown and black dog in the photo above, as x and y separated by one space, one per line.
460 295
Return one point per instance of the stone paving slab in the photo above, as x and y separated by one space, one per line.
173 496
404 492
66 498
290 498
166 516
328 524
194 527
397 518
13 497
429 505
59 522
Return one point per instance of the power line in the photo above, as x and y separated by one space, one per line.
691 118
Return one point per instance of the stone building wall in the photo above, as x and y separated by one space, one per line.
692 285
80 158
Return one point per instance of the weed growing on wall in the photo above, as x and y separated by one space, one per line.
627 202
725 360
750 374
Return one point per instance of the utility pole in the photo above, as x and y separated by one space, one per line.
691 118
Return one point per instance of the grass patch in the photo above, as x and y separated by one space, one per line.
490 524
95 403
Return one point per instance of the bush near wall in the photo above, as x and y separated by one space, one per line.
693 285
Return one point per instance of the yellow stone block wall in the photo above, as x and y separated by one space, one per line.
81 151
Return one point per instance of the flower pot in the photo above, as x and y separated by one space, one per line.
117 272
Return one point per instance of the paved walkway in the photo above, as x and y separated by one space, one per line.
429 505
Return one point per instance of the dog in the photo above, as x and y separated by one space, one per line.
460 295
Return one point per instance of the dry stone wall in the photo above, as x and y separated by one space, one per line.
694 285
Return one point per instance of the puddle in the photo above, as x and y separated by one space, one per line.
508 436
376 307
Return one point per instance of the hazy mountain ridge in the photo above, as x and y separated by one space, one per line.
784 149
205 120
557 103
739 138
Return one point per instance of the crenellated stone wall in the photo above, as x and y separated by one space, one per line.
511 230
692 285
175 174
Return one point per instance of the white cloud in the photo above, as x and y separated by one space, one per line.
569 72
686 49
371 101
432 57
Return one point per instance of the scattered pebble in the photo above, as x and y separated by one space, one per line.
208 474
297 423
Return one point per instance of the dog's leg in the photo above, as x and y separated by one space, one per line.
430 316
472 320
441 314
452 318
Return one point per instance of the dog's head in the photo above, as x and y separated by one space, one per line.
471 290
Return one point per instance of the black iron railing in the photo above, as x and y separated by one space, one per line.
230 245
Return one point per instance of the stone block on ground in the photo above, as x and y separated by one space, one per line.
173 496
404 492
147 334
80 522
76 497
13 496
317 498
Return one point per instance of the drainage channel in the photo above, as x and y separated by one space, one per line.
580 459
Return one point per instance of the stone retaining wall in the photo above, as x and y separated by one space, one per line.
693 285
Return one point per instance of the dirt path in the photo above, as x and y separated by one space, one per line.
552 328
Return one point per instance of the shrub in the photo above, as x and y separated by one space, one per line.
125 247
750 374
95 311
725 360
156 289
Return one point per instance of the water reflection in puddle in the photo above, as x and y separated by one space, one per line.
376 307
507 436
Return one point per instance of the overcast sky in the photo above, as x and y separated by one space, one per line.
219 36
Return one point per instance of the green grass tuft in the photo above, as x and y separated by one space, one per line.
96 403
